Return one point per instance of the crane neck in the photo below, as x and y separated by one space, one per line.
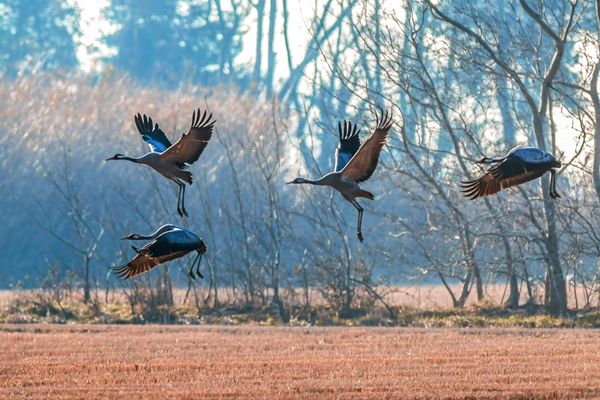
152 236
145 237
488 160
140 160
126 158
318 182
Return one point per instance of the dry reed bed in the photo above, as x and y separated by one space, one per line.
82 361
423 296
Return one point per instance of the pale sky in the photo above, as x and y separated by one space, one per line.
300 12
94 26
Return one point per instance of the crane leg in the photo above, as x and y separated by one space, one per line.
360 214
183 199
178 196
191 272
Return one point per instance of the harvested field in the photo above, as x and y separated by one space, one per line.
83 361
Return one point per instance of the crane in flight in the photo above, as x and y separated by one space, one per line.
520 165
354 163
173 160
167 243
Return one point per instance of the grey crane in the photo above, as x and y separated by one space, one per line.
172 160
167 243
520 165
354 163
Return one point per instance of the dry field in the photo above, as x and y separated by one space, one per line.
89 361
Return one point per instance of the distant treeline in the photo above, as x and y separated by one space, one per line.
464 79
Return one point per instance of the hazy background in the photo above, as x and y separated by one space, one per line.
464 80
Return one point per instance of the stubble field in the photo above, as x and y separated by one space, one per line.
88 361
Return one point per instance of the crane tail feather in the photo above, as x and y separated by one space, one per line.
366 195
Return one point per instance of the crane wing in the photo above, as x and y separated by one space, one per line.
164 248
151 133
191 144
349 144
140 264
143 262
508 173
363 163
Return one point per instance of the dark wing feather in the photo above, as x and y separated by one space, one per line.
363 164
143 262
151 133
137 266
168 243
492 182
156 252
189 147
349 144
509 168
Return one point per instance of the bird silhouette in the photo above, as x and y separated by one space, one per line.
520 165
172 160
168 242
354 163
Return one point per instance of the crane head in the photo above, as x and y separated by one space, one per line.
202 247
116 157
484 160
554 162
133 236
298 180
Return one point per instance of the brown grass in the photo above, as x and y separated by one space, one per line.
426 295
84 361
421 296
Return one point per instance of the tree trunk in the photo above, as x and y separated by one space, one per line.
283 314
557 298
473 264
271 51
557 303
260 11
508 124
514 295
596 103
86 280
466 290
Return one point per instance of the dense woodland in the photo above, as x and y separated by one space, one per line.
464 79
